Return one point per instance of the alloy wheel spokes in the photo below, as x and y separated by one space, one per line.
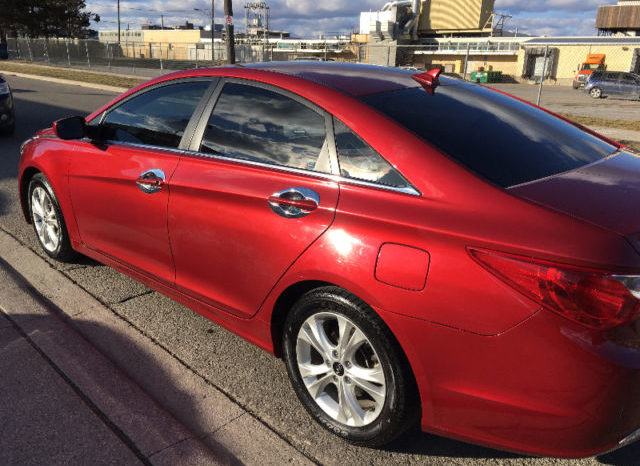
340 369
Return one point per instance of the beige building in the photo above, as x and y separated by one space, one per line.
566 55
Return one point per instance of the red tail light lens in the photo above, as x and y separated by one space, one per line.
590 297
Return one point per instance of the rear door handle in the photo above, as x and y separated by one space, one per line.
294 202
151 181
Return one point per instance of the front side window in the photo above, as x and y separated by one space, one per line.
157 117
256 124
359 161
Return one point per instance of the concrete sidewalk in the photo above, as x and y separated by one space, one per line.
79 385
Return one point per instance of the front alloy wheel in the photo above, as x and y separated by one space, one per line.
47 219
595 92
347 368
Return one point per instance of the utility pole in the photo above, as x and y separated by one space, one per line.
228 13
213 33
118 22
162 21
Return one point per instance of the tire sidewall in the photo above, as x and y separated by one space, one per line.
384 349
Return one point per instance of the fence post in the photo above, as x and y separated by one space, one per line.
197 56
109 55
66 43
544 72
388 53
46 51
325 51
18 48
466 62
30 51
86 46
160 46
133 48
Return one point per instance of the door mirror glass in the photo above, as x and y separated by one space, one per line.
70 128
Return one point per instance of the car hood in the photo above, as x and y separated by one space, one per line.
606 193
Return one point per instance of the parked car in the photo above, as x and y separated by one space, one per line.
416 248
613 83
7 109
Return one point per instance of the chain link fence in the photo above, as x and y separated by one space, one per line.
151 59
481 60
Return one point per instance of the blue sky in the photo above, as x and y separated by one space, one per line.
310 18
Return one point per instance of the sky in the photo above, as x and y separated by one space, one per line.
310 18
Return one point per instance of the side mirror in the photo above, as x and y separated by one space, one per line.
70 128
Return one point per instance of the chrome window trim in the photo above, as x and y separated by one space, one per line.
299 171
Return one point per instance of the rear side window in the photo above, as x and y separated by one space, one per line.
259 125
157 117
502 139
359 161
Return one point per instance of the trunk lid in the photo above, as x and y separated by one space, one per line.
606 192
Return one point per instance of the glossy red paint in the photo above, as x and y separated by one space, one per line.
491 366
402 266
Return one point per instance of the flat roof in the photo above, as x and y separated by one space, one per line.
584 40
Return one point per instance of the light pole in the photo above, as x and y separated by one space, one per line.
118 22
213 30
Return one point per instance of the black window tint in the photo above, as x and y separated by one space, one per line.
504 140
157 117
252 123
612 76
358 160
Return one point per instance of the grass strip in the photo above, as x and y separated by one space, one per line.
71 74
633 125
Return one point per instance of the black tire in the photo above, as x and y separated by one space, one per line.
61 250
595 92
575 85
388 418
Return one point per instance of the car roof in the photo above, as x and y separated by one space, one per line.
351 78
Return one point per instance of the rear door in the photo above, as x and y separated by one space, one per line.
255 192
120 187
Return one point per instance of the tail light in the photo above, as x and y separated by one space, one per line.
590 297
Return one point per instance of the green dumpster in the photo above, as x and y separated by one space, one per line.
486 76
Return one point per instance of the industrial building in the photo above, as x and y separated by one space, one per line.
622 19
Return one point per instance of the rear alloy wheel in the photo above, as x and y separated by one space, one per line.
595 92
347 369
47 219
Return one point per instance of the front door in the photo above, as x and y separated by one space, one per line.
120 187
257 195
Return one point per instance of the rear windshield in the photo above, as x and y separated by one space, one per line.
500 138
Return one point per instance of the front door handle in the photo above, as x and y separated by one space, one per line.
294 202
151 181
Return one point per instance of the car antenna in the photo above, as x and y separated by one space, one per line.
429 79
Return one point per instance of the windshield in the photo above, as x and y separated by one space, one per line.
500 138
590 67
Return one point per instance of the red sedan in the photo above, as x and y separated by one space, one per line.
416 248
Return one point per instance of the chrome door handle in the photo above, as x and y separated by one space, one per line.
151 181
294 202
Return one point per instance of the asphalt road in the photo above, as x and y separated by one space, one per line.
254 379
